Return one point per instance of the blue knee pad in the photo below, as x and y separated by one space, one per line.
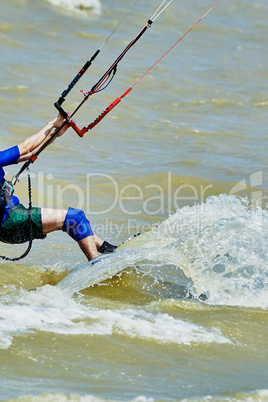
76 224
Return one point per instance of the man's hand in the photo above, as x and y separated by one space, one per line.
59 122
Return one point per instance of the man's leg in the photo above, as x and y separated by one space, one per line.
89 248
53 219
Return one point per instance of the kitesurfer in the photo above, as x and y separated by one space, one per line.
14 222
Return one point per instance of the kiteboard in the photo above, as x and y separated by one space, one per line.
97 270
106 266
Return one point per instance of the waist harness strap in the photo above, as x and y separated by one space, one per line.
2 200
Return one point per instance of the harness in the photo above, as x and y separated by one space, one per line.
6 192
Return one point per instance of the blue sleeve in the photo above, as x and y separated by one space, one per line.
9 156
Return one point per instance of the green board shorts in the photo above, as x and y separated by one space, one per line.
15 228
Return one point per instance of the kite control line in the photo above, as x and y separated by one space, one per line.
107 77
117 100
110 73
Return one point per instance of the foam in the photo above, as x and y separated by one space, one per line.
59 397
49 310
258 395
78 5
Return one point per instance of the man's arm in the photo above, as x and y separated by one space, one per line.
31 145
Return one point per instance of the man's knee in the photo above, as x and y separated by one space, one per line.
76 224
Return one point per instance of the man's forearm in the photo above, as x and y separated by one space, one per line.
29 146
33 143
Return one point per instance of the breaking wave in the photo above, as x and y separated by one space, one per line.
217 249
